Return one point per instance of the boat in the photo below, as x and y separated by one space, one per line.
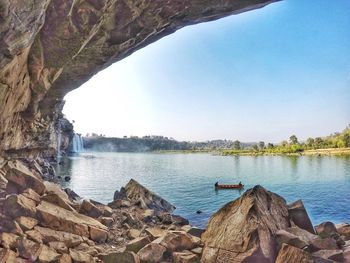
228 186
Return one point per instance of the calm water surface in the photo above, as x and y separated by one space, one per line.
187 180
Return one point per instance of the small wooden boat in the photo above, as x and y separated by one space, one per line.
229 186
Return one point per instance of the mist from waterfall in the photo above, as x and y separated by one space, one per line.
77 143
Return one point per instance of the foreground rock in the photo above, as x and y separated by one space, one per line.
49 225
244 229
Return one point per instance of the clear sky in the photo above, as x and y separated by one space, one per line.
261 75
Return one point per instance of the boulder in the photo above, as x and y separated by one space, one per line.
194 231
344 230
48 255
26 223
197 250
119 203
138 193
9 225
152 253
155 232
48 235
52 188
97 234
299 216
90 209
244 229
185 257
72 195
80 257
107 221
175 241
31 194
125 257
323 243
58 246
304 235
65 258
7 255
134 233
136 244
34 235
20 175
120 194
326 229
9 240
19 205
290 254
28 249
61 219
285 237
336 255
54 198
179 220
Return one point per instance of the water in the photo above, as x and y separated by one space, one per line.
77 143
187 180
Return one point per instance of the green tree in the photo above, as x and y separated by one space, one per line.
270 145
346 139
310 142
237 145
318 142
255 147
293 139
261 145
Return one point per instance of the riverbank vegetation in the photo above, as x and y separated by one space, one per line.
337 143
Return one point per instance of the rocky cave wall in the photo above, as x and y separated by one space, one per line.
50 47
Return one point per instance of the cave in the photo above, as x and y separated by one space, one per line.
48 48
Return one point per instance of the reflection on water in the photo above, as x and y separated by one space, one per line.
187 180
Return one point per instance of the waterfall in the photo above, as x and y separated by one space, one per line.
59 139
77 143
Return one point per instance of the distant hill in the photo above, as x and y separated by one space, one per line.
152 143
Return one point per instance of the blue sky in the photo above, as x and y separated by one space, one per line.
261 75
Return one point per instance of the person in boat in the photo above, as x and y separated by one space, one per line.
240 183
216 184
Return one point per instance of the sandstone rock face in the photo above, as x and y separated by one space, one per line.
243 230
48 48
299 216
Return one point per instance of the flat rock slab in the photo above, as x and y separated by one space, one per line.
61 219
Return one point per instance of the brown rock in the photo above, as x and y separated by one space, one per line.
183 257
65 258
69 221
26 223
90 209
34 235
125 257
9 240
302 234
326 229
344 230
58 246
336 255
28 249
138 193
49 235
134 233
31 194
194 231
284 237
119 203
9 225
244 229
19 205
80 257
57 200
3 182
197 250
107 221
98 234
323 243
48 255
175 242
290 254
151 253
155 233
136 244
299 216
7 255
24 178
